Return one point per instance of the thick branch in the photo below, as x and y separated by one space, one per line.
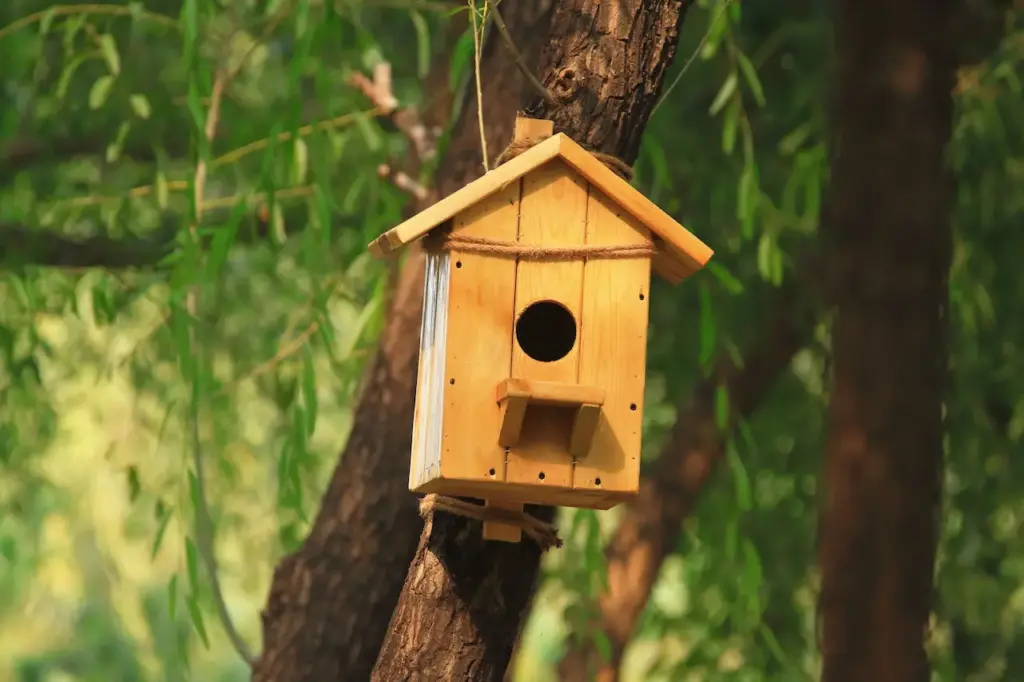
330 603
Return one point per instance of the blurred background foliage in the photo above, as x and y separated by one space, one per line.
109 386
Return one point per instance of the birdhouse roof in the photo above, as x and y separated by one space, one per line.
679 252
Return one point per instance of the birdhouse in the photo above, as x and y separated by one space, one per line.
532 348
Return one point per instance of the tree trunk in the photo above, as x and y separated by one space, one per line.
890 246
464 599
330 602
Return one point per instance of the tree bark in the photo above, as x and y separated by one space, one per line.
890 245
330 602
464 599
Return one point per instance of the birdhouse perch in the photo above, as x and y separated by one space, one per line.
533 342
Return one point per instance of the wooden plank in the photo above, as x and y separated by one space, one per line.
583 428
503 532
532 128
613 348
689 253
550 392
479 350
553 212
425 460
513 412
528 494
496 181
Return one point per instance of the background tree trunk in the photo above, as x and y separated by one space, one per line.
890 254
330 602
464 599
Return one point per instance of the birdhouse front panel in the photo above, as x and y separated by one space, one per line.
532 370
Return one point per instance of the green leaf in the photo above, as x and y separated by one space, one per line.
134 486
724 93
741 480
750 75
708 326
730 125
47 20
108 48
71 29
422 43
116 146
722 407
462 57
100 91
603 644
172 596
162 190
732 284
197 619
300 161
164 517
309 397
192 563
140 105
66 75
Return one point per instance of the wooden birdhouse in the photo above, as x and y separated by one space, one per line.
532 349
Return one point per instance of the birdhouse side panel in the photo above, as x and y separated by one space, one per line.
479 349
553 212
613 348
425 461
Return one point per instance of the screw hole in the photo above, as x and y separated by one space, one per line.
641 297
452 381
632 406
491 471
458 264
597 481
541 475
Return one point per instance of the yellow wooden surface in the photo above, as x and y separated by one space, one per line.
504 532
502 491
613 348
532 128
550 392
495 181
513 413
479 342
685 254
583 428
680 252
553 213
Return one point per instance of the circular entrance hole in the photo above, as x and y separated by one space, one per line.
546 331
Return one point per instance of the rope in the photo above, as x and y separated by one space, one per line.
442 238
544 534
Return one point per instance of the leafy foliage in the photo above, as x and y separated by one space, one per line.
243 330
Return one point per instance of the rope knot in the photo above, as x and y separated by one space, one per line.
544 534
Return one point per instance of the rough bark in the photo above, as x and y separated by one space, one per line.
890 245
330 602
464 599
